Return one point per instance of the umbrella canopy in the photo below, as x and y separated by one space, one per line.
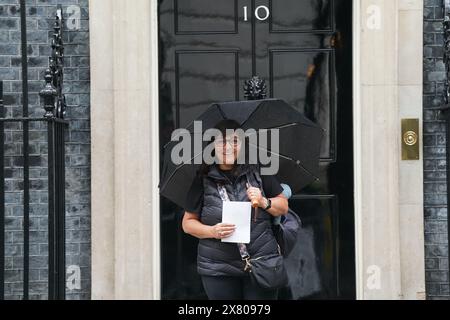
298 151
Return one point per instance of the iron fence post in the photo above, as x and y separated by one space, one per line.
54 105
2 198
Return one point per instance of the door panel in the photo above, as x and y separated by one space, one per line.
303 51
215 73
220 17
303 78
301 16
202 62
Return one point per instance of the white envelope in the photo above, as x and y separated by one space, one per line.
239 214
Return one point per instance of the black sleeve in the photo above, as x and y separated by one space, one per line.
194 201
272 187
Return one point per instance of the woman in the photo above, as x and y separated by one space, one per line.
220 264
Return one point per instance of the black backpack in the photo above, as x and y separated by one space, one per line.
286 231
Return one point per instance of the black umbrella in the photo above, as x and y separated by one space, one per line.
298 154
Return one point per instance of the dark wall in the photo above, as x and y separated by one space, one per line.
40 18
435 188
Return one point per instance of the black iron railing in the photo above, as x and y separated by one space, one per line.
2 199
54 104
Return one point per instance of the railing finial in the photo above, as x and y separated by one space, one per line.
48 94
55 73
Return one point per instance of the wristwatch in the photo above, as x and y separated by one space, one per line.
269 204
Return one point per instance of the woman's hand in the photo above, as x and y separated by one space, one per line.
193 226
255 195
222 231
279 206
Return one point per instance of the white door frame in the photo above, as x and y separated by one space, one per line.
387 76
357 149
155 208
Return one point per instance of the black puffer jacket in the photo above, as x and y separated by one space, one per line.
216 258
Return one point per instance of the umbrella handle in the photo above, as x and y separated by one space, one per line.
254 202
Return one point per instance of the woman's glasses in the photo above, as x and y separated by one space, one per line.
234 142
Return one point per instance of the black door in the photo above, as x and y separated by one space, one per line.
302 48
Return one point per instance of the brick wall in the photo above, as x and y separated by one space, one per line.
436 242
40 18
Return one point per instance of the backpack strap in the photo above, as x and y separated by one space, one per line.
223 192
241 246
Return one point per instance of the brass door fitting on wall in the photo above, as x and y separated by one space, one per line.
410 139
